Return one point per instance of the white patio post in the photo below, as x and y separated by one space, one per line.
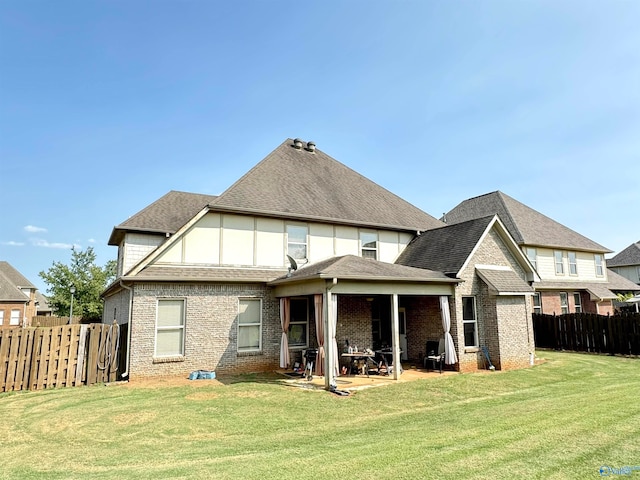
395 334
329 335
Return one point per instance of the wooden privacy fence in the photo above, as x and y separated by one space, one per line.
61 356
49 321
588 332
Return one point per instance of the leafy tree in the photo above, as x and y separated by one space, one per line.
88 279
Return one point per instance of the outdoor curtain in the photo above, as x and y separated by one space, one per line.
285 317
317 302
334 325
450 356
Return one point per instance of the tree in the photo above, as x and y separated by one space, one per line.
88 279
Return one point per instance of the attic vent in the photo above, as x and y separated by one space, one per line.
297 143
311 147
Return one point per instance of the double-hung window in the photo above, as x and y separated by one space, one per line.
297 241
298 334
249 324
1 317
532 255
470 322
577 302
537 303
573 263
600 266
170 327
564 303
557 255
15 317
369 245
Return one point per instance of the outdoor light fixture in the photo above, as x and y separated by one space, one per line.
72 290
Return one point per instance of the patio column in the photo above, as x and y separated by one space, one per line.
331 350
395 336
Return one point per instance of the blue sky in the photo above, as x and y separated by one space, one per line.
106 106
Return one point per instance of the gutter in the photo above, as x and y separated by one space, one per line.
125 374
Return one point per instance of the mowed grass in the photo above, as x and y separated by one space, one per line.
564 418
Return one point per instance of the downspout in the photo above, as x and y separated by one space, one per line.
125 374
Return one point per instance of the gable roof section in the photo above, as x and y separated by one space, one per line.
526 225
165 215
305 185
351 267
445 249
628 256
11 281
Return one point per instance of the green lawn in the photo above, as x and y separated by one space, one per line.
564 418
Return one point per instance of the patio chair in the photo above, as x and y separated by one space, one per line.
435 354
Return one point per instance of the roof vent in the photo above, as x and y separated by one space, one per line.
297 143
311 147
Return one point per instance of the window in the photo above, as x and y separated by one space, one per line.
557 255
600 266
249 324
532 255
297 241
369 242
573 263
469 321
15 317
564 303
537 303
1 317
577 302
298 335
638 272
170 328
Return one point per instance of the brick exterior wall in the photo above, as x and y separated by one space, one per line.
504 323
551 303
424 322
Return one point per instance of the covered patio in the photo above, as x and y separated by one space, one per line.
370 305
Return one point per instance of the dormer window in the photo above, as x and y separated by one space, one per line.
297 241
369 245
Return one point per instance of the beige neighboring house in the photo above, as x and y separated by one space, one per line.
572 268
17 298
627 263
303 252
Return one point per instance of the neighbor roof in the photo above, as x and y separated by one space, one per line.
298 183
11 281
526 225
351 267
165 215
628 256
445 249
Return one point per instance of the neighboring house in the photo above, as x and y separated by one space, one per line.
301 252
572 268
627 263
17 298
43 309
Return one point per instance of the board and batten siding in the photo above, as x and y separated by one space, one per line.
240 240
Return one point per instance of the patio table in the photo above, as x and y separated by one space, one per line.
367 357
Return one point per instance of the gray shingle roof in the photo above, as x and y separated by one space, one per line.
620 283
10 283
444 249
628 256
603 290
526 225
165 215
358 268
296 183
207 274
503 281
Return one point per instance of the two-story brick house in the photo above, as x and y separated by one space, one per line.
17 298
301 252
572 267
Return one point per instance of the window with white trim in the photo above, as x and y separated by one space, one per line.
298 334
249 324
577 301
532 255
600 265
369 244
564 303
170 327
557 255
469 321
15 317
572 258
1 317
297 241
638 272
537 303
